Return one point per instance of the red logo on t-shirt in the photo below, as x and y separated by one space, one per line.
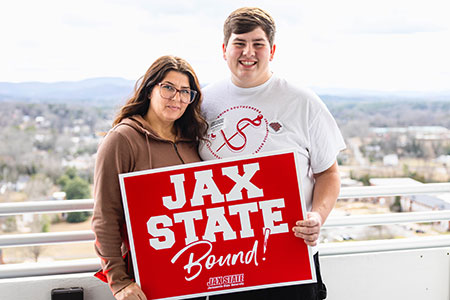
240 129
276 126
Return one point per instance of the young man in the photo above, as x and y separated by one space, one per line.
256 111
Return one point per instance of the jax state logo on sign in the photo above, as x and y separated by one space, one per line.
216 227
237 129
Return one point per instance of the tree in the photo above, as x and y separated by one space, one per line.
39 187
40 223
397 205
10 224
71 173
365 179
75 187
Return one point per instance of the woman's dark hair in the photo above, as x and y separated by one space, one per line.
191 124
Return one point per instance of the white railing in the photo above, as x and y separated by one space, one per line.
391 218
53 268
35 239
358 247
393 190
17 208
85 265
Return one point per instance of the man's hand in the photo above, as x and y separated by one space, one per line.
309 229
131 292
326 191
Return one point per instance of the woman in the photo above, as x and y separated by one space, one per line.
160 125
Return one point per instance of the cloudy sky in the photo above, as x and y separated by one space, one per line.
386 45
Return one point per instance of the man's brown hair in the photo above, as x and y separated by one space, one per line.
246 19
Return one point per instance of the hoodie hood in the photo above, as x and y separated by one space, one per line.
138 123
142 126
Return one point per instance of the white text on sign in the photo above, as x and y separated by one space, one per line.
159 226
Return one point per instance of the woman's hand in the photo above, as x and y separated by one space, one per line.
131 292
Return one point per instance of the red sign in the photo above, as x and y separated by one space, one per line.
216 227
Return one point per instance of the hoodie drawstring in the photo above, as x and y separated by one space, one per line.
149 152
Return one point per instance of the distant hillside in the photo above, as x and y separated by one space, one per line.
329 94
96 91
112 91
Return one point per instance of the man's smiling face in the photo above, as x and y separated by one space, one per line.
248 56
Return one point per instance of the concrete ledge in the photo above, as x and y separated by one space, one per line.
40 287
410 274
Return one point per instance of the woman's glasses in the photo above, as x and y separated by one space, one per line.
168 91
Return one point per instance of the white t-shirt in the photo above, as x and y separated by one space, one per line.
273 116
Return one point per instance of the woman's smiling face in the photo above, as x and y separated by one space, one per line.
167 111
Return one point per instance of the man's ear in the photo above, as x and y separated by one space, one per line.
224 50
272 52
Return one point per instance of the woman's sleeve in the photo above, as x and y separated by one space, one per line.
114 156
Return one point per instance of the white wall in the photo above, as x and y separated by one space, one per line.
412 274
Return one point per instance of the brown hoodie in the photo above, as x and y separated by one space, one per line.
129 146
